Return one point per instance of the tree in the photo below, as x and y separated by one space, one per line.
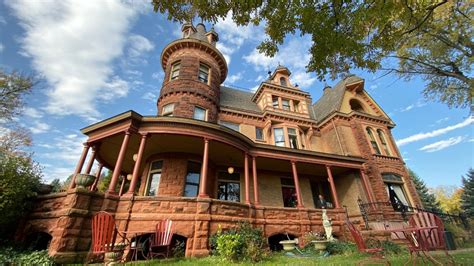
449 198
104 181
467 197
428 38
13 86
427 199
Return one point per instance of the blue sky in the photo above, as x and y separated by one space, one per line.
98 59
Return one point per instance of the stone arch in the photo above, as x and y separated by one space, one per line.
38 240
356 105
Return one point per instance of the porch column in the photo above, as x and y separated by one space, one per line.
255 186
91 160
297 185
118 163
79 165
333 187
247 180
203 183
136 167
367 187
97 176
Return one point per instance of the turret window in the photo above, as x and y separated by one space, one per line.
175 70
200 113
168 110
203 73
373 142
384 142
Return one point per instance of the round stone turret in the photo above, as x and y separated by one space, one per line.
194 70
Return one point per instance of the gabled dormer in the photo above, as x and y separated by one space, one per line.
278 95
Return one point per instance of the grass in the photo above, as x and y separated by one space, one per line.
462 257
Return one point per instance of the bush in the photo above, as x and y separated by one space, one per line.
10 256
239 244
341 247
390 248
178 249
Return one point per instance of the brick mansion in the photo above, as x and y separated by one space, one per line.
215 155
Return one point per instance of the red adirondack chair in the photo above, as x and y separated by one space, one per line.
160 241
429 239
369 246
104 234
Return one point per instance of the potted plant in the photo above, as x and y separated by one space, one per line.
84 180
318 239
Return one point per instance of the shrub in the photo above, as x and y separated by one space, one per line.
238 244
390 247
341 247
10 256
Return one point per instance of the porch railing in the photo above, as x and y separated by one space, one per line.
371 211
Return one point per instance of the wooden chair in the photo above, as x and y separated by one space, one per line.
160 241
104 234
428 240
372 247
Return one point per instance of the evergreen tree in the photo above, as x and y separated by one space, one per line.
467 197
427 199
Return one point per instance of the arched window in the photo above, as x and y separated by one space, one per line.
283 81
384 142
356 105
373 142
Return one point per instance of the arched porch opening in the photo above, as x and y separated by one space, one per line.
38 241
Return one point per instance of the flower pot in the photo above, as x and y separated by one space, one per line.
320 245
84 180
288 244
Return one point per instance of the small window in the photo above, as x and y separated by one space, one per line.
275 102
285 104
279 137
356 105
384 142
258 133
373 142
154 177
283 81
228 186
293 138
288 192
230 125
203 73
168 110
193 175
175 70
200 113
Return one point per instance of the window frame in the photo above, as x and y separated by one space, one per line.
288 186
383 141
202 108
206 73
283 134
285 107
283 82
175 65
275 102
373 141
186 182
149 179
228 124
228 181
295 135
262 134
169 113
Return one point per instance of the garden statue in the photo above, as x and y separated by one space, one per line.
327 226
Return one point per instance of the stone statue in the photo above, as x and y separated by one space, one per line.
327 226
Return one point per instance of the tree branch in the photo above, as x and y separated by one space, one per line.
430 11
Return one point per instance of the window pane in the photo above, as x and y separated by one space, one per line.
282 81
259 133
275 102
373 142
285 104
190 190
289 196
192 179
279 137
203 73
156 165
175 71
292 137
168 109
229 191
154 181
199 113
230 125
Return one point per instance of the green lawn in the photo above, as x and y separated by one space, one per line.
462 257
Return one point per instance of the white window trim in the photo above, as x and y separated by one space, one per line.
205 114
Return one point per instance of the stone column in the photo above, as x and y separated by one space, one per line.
297 185
203 183
136 168
79 165
97 176
247 179
91 161
333 187
255 183
118 164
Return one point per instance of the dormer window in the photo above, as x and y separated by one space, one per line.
283 81
285 103
175 70
203 73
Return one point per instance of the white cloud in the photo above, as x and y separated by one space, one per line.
39 127
233 78
138 46
434 133
73 46
442 144
32 112
157 75
293 55
418 104
150 96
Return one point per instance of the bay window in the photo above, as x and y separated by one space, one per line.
279 137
